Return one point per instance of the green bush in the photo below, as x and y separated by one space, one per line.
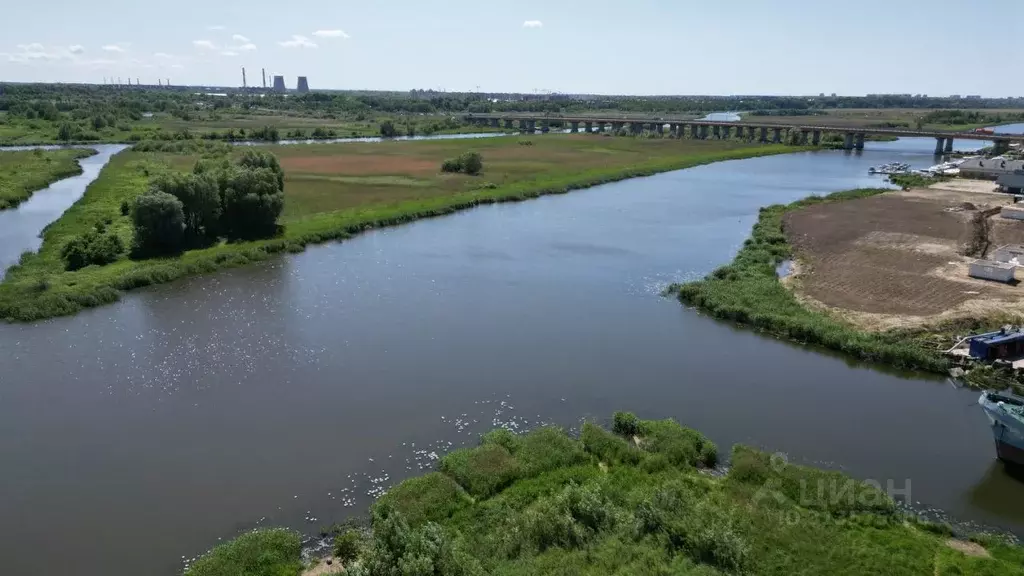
472 163
625 424
94 247
261 553
546 449
607 446
483 470
159 222
452 165
503 437
430 498
682 446
347 545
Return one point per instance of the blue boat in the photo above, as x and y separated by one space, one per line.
1005 413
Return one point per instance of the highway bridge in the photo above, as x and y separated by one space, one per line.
764 132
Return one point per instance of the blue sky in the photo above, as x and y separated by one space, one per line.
938 47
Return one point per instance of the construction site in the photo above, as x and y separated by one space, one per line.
912 257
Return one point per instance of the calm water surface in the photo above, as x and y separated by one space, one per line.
138 433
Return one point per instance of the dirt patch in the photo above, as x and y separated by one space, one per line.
968 548
360 164
324 567
966 185
896 259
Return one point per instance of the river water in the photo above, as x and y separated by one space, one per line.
138 434
20 228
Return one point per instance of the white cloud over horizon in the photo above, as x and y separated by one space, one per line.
298 41
330 34
207 44
240 38
215 27
76 49
533 24
113 48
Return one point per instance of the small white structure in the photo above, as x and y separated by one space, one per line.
992 270
1010 253
1012 212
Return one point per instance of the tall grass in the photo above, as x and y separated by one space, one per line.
748 292
126 176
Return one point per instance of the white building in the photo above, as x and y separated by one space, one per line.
992 270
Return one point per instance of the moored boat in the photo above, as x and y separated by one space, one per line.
1005 413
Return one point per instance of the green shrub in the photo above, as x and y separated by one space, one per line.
159 222
625 424
94 247
472 163
452 165
482 471
503 437
261 553
347 545
430 498
682 446
546 449
607 446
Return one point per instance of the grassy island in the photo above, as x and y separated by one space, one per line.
331 191
640 499
23 172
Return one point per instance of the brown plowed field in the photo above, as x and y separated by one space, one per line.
896 255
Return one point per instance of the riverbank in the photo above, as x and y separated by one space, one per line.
639 499
828 302
23 173
333 193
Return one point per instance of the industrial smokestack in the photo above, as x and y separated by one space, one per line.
303 84
243 77
264 70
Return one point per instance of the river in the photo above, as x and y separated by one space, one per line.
135 435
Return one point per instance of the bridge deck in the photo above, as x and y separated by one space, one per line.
744 124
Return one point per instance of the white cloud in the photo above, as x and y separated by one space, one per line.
204 44
178 66
215 27
298 41
533 24
229 53
113 48
162 56
240 38
36 52
330 34
246 47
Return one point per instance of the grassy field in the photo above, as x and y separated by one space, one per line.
25 172
629 502
333 191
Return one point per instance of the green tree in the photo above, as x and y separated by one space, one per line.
200 200
387 129
472 163
252 202
65 132
253 159
159 221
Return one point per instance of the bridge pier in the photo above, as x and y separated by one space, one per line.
717 131
636 128
545 126
848 141
616 126
776 135
816 137
803 137
574 127
494 122
703 131
859 144
531 125
949 145
764 135
589 127
508 124
659 128
939 144
1000 146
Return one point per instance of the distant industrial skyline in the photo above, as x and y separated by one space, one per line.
648 47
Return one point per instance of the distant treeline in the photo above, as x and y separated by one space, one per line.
111 103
